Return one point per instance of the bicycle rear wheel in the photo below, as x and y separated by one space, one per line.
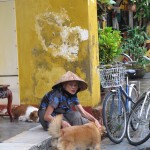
138 126
114 118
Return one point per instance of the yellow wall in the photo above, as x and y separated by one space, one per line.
54 37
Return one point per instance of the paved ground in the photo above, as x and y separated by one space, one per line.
124 145
10 129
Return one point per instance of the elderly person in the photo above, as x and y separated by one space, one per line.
62 99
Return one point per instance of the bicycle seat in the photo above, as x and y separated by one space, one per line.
130 71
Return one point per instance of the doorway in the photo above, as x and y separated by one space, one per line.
8 50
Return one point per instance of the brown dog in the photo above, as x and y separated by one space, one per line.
25 113
81 136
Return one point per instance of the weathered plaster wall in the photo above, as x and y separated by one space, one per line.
54 37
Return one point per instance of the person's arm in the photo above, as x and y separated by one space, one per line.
48 117
86 115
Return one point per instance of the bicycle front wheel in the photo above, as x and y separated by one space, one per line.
114 117
138 126
133 92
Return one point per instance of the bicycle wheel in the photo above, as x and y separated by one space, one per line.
138 127
114 120
133 92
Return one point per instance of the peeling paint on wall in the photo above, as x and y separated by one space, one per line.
60 39
43 29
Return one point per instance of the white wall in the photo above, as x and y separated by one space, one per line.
8 49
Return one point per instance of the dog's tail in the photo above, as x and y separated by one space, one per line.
55 126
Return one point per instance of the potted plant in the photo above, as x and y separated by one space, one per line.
109 44
133 45
109 48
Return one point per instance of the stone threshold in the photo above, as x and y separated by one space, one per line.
32 139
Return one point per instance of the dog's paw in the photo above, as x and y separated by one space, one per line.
22 118
29 120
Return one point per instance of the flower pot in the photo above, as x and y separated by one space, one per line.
139 73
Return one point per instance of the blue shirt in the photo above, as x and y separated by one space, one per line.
60 100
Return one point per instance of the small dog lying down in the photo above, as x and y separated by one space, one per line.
81 136
25 113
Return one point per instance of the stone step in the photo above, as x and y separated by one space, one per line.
33 139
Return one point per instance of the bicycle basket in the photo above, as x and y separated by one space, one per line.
112 77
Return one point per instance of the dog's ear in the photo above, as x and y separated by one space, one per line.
13 108
33 115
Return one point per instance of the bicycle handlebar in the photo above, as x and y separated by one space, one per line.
147 58
127 56
118 63
131 60
114 64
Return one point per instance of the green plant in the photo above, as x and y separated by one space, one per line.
109 44
133 45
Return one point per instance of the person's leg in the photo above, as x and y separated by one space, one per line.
44 123
75 118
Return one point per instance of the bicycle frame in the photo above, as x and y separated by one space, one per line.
120 90
126 94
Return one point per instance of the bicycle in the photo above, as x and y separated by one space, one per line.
117 102
138 125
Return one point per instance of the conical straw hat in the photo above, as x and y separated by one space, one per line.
70 76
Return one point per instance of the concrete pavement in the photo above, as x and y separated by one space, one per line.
33 139
124 145
38 139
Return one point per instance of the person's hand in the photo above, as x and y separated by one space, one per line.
65 124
